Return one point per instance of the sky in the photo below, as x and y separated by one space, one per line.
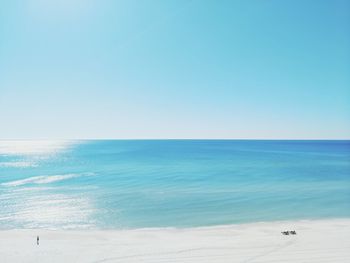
163 69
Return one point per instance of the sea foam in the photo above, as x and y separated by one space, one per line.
43 179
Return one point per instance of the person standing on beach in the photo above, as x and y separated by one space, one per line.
37 240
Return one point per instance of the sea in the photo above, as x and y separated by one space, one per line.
128 184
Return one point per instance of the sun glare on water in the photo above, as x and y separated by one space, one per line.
18 147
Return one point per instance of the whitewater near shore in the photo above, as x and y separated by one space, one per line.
315 241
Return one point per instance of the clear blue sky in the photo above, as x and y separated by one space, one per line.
174 69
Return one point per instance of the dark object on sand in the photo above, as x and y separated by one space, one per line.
37 240
289 232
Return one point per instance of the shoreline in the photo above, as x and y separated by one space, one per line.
326 240
233 225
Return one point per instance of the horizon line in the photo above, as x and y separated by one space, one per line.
178 139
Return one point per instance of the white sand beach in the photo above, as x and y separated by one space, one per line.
315 241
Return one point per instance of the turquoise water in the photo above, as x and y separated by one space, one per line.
170 183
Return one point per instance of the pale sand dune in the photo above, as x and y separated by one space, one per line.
316 241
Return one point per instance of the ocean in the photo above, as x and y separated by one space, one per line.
128 184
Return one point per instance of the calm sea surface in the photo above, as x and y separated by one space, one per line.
170 183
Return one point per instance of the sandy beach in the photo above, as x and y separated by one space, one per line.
315 241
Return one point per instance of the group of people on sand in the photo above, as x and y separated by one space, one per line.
289 232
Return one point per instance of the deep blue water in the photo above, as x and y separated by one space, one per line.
176 183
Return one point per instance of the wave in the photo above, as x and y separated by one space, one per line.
43 179
18 164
